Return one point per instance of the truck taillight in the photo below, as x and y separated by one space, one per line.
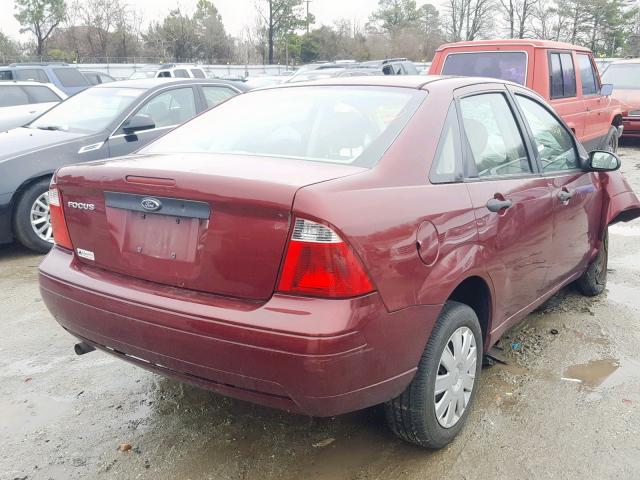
319 263
58 222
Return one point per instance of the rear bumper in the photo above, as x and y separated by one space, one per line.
312 356
631 127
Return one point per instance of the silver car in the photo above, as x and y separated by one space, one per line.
21 102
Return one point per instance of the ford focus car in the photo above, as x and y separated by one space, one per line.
108 120
326 247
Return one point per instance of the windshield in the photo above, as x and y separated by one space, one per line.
350 125
511 66
90 111
623 76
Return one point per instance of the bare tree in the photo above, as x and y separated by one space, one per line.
468 19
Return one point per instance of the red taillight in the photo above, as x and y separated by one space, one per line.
58 223
318 263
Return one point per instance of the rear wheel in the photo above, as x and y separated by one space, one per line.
594 280
31 221
434 407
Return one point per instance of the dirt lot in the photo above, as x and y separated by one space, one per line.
567 405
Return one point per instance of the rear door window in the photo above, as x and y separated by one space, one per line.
587 74
12 95
180 73
70 77
563 75
448 159
511 66
494 139
197 73
39 94
32 74
214 95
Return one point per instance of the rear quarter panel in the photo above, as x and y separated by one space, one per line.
379 213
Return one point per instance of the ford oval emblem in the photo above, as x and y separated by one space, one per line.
151 204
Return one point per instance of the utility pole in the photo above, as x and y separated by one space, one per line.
307 2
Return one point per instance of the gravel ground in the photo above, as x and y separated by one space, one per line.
566 406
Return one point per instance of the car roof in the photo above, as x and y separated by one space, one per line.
149 83
516 42
444 84
26 83
39 65
405 81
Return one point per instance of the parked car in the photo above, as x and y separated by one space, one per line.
21 102
603 63
104 121
565 75
305 70
261 81
335 245
625 77
393 66
65 77
181 70
324 73
96 78
139 74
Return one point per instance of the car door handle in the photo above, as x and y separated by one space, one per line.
565 195
496 204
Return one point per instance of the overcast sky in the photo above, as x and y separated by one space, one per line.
236 14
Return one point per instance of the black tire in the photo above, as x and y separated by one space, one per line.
594 280
611 142
412 415
22 229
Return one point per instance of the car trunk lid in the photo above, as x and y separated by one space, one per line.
213 223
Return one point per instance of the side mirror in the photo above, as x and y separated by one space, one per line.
606 90
601 161
138 122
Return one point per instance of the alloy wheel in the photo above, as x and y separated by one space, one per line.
40 218
456 377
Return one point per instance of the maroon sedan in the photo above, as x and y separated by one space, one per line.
322 248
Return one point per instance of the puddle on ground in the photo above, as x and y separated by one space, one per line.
593 373
624 294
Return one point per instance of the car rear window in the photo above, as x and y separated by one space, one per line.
32 75
6 75
511 66
625 76
338 124
70 77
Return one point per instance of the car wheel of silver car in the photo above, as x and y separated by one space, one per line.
433 408
31 221
594 280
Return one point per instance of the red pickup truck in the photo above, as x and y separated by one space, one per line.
563 74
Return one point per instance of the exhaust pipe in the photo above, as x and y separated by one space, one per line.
82 348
